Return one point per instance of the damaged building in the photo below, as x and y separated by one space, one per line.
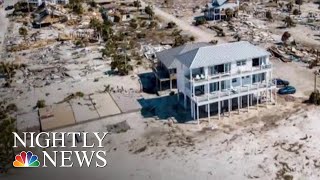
39 2
216 10
46 15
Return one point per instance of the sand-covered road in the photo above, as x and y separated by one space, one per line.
4 21
4 24
199 34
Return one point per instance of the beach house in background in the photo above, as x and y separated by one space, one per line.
166 66
216 10
39 2
215 78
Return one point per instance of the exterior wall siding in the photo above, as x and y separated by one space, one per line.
39 2
184 84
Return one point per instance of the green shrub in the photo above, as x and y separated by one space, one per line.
171 25
41 104
314 98
200 21
296 12
11 107
79 94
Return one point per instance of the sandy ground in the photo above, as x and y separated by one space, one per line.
60 90
256 146
186 17
271 142
199 34
3 21
299 76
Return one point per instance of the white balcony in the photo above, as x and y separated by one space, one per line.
198 79
232 93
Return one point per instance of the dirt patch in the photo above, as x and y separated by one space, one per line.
120 127
269 119
248 121
282 173
162 138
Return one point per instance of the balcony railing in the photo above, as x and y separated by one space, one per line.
228 93
202 77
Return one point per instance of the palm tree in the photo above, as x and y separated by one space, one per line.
289 22
120 62
7 69
269 15
137 4
179 41
23 32
290 6
286 35
93 4
75 3
7 126
107 32
153 24
76 6
167 2
96 25
110 48
299 2
229 14
149 11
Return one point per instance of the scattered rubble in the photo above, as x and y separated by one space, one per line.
120 127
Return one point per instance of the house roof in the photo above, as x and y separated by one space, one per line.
218 2
168 56
220 54
222 4
228 5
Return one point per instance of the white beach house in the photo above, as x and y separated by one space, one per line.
216 77
216 10
39 2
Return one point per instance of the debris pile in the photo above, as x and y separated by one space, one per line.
289 53
120 127
150 51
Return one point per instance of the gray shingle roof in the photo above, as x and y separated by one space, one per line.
218 2
220 54
168 56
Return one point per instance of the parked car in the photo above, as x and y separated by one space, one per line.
287 90
280 82
8 7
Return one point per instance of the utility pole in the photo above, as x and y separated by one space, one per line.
28 6
316 73
317 57
125 51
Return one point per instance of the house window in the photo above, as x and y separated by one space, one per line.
234 80
173 71
255 62
241 63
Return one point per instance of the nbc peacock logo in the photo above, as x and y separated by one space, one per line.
26 160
